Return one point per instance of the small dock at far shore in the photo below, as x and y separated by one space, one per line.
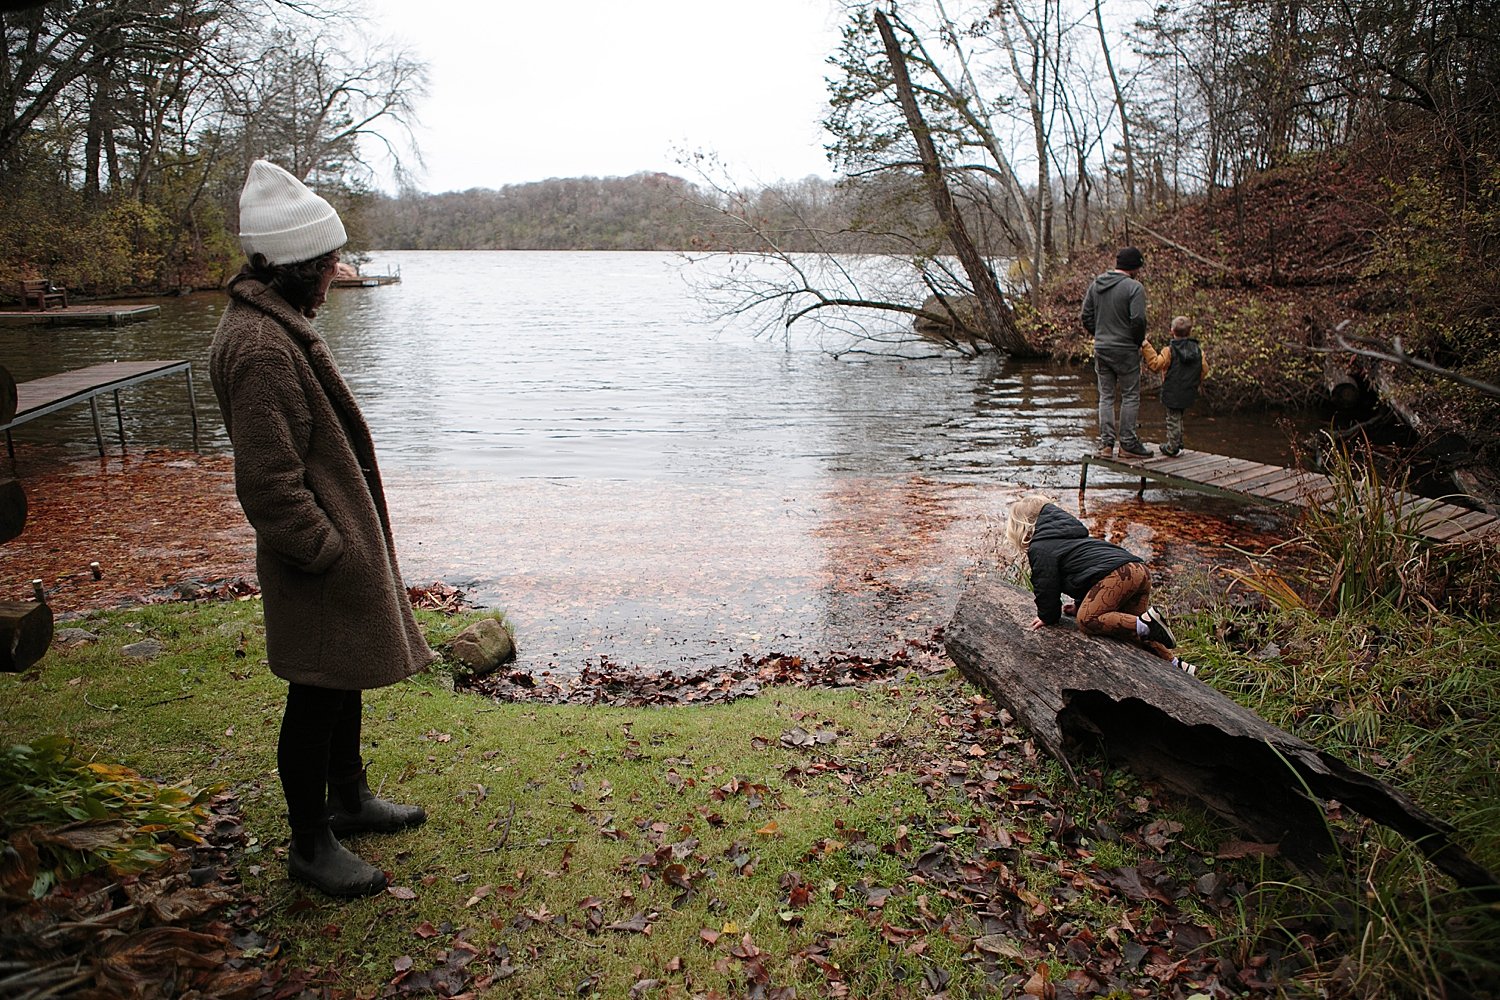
91 314
1257 482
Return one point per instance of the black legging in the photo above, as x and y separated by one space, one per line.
319 747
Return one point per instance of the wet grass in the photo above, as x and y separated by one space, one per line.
1385 651
599 848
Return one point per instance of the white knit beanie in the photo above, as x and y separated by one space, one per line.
282 218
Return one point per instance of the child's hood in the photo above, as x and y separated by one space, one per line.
1055 524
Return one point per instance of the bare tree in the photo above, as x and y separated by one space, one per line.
998 320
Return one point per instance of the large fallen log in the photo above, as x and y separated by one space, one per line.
1070 689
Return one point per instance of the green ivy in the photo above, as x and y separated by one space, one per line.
62 815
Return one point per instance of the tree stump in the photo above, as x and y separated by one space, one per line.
25 634
1070 689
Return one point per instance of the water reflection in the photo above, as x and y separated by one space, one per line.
566 440
592 366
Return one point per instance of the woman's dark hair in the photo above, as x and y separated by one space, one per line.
297 283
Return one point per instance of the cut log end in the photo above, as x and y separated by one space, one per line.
25 634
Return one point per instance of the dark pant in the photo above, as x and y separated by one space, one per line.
1174 430
319 746
1119 374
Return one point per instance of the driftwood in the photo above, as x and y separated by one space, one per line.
1147 715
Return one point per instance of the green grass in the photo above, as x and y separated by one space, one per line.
1415 701
540 814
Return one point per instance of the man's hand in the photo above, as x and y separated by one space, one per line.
1070 608
1036 623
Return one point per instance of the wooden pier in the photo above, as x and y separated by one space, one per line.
95 314
42 396
367 280
1261 483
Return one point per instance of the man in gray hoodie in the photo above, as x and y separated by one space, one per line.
1114 314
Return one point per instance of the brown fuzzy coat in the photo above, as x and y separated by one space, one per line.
337 613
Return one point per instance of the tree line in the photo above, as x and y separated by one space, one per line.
1035 127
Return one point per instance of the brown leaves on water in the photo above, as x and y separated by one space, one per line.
152 521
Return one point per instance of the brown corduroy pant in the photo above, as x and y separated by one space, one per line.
1112 606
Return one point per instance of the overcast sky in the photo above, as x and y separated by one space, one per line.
523 90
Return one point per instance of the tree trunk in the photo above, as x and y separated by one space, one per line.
1125 143
999 320
1071 689
25 634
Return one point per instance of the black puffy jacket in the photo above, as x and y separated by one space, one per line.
1066 559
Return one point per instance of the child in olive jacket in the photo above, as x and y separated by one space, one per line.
1185 369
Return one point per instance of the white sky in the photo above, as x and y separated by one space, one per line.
523 90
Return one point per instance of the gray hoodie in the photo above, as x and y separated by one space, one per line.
1114 312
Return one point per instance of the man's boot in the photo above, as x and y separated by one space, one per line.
353 808
318 859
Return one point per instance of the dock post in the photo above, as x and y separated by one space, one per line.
193 407
120 420
1083 476
98 434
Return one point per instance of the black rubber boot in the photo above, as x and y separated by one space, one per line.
353 808
331 867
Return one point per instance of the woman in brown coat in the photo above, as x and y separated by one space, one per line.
337 616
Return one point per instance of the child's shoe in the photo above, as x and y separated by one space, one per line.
1156 628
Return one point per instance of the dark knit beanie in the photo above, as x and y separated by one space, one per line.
1129 259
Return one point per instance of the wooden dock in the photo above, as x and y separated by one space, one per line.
42 396
367 281
1261 483
94 314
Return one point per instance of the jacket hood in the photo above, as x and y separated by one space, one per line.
1110 279
1055 524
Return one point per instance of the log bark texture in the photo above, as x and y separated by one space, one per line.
25 634
1074 690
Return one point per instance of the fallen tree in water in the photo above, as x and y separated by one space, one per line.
1071 690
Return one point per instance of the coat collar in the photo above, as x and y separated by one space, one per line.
260 296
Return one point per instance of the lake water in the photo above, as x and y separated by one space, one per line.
566 436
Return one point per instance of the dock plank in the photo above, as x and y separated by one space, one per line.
1435 520
95 314
50 393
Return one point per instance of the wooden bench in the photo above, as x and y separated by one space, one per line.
41 292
